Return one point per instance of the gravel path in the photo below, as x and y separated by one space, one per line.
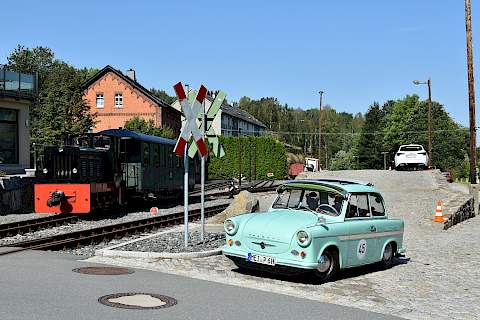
98 222
440 279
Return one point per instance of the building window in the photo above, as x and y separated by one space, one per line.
8 136
118 100
100 100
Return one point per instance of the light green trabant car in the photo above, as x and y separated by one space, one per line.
321 226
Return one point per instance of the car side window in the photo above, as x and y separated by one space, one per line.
376 205
358 206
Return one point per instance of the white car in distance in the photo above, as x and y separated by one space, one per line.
411 156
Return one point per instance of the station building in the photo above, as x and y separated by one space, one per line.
17 93
117 98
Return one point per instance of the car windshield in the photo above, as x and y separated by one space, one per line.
317 201
411 148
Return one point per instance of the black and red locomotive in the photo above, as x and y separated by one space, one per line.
107 170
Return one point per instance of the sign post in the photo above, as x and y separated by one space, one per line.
185 197
206 119
202 184
190 112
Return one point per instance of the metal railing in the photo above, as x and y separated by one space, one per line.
16 84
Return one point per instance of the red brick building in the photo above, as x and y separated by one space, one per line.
116 98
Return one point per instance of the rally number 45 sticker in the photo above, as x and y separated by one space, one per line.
361 249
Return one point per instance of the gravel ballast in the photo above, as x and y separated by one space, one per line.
173 242
98 222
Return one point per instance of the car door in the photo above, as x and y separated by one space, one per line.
361 237
387 229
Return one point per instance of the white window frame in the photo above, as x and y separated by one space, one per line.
97 96
118 100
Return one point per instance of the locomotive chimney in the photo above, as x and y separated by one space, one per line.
131 74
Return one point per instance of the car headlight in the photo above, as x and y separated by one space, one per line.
230 227
303 238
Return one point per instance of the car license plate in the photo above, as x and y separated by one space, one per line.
411 155
271 261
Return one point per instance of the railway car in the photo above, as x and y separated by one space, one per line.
107 170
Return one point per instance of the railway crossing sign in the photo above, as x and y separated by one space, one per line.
210 133
190 111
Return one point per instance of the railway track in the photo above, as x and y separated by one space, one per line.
105 233
31 225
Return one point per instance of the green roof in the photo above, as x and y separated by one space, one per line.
342 186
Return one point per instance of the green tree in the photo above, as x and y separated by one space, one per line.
39 59
343 160
148 127
60 110
407 123
370 144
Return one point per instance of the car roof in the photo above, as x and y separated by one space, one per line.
411 145
340 185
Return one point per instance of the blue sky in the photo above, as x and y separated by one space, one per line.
357 51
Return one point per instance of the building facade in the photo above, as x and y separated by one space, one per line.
17 92
232 121
117 98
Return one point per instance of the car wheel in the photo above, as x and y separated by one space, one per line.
387 257
328 266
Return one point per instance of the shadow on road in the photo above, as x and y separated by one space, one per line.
308 278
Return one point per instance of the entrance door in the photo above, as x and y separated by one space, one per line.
8 136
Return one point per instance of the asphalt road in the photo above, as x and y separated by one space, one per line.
42 286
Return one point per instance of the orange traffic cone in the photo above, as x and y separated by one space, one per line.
438 213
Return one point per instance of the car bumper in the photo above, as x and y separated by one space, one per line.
404 161
240 258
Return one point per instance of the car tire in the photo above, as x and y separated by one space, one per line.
328 272
387 256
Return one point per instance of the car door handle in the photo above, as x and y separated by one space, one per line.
373 229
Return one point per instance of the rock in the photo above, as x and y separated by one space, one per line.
244 202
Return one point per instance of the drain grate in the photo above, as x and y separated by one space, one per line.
136 300
103 270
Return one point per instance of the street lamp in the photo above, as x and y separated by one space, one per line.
428 83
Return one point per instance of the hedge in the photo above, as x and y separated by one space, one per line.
258 156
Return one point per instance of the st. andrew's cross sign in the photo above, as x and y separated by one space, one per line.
210 134
190 112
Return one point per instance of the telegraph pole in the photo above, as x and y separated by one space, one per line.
320 131
471 96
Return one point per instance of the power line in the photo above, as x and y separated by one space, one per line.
344 133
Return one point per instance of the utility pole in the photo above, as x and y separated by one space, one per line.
429 82
471 96
320 131
384 160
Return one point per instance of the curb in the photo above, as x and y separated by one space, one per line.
156 255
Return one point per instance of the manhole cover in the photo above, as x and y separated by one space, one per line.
103 270
135 300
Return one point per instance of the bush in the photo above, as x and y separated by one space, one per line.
343 161
257 155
